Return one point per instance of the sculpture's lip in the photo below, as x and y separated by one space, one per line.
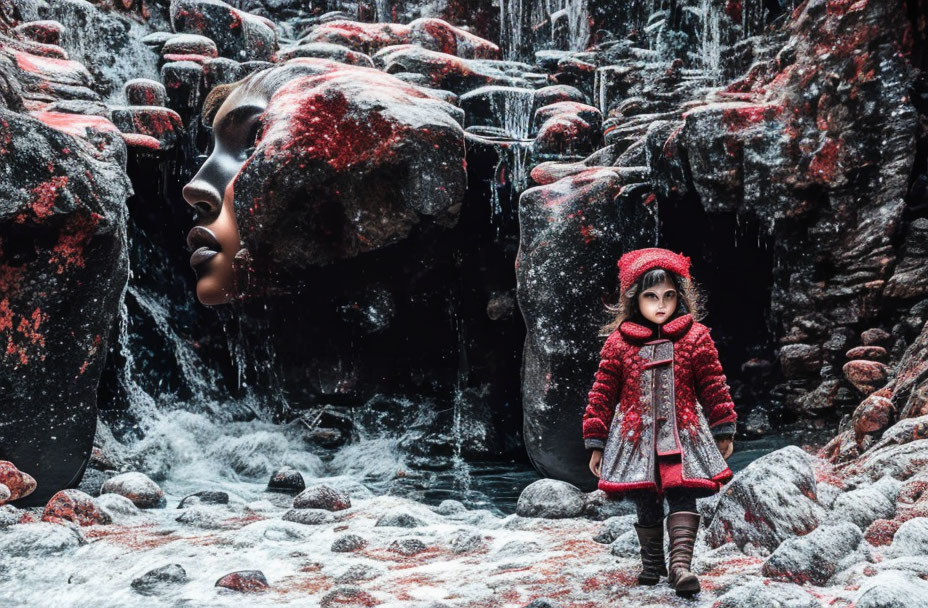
201 236
205 245
202 256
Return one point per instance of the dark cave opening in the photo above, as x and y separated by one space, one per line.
732 263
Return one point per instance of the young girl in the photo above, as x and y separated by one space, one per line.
650 438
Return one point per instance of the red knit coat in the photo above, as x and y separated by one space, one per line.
690 457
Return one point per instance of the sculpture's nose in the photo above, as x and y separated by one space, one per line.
203 197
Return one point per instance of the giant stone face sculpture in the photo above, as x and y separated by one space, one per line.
316 161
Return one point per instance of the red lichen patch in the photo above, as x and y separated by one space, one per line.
429 555
399 587
241 521
196 58
73 238
138 538
52 66
75 124
746 563
740 118
141 142
18 483
320 122
44 195
826 473
304 584
882 531
74 506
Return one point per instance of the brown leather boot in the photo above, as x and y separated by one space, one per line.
651 539
682 527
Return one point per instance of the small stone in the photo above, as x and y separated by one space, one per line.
399 520
861 507
204 497
118 508
875 337
466 542
322 497
408 546
309 517
286 479
348 596
874 414
626 545
614 527
208 517
145 92
870 353
356 573
347 543
245 581
9 516
155 581
800 360
189 44
543 602
40 539
138 488
550 498
767 594
892 588
911 539
450 507
74 506
598 505
817 556
18 483
866 376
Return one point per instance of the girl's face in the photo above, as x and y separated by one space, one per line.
658 302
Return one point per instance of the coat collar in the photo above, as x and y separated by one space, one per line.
673 329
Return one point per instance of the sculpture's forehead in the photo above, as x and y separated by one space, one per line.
242 103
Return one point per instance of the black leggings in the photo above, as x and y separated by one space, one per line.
650 508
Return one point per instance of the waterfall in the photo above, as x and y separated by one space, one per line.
578 20
141 404
710 43
518 20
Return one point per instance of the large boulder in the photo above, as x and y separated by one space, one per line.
774 498
63 236
572 232
238 35
817 556
355 156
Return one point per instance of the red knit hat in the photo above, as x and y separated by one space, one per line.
635 263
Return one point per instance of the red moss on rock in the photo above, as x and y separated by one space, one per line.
74 506
18 483
244 581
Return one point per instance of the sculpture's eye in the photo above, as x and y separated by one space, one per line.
252 139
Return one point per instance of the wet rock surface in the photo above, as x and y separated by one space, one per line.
450 160
137 487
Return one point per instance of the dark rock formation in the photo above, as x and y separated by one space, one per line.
63 237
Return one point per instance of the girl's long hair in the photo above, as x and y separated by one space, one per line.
689 299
